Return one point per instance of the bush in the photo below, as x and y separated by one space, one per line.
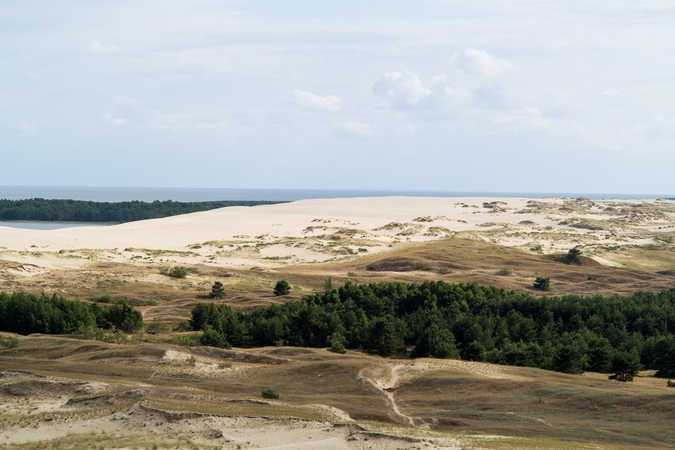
185 340
157 326
178 272
337 343
269 393
9 342
542 283
669 383
505 272
282 288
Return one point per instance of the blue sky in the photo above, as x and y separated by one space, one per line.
510 96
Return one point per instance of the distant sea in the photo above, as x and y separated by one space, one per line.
119 194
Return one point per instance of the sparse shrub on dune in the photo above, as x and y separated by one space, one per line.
269 394
178 272
9 342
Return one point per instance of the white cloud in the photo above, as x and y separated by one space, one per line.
96 47
28 128
35 77
480 62
403 90
309 100
609 93
354 129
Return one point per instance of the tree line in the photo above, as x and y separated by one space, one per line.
38 209
617 334
25 314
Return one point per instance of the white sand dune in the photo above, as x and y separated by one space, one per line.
356 222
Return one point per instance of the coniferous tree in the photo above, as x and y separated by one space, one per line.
282 288
625 366
217 290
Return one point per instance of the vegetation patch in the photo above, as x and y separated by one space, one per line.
42 210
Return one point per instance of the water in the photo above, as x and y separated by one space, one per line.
118 194
47 225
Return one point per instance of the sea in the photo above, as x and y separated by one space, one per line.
148 194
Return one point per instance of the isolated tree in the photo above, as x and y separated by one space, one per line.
217 290
573 255
328 284
625 366
282 288
542 283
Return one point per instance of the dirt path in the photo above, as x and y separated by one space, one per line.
387 385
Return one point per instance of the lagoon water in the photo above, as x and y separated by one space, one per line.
118 194
47 225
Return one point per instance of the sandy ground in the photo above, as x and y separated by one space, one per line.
334 229
55 408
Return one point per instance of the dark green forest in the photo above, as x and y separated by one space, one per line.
25 314
38 209
569 334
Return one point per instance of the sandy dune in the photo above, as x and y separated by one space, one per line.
329 229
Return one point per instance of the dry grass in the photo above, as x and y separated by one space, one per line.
449 400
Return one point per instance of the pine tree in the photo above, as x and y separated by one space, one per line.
282 288
542 283
625 366
217 290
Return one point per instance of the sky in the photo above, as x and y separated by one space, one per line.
481 96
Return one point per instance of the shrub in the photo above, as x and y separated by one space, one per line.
282 288
504 272
337 343
185 340
269 393
9 342
178 272
157 326
542 283
103 299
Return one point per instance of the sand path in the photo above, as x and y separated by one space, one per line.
387 385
